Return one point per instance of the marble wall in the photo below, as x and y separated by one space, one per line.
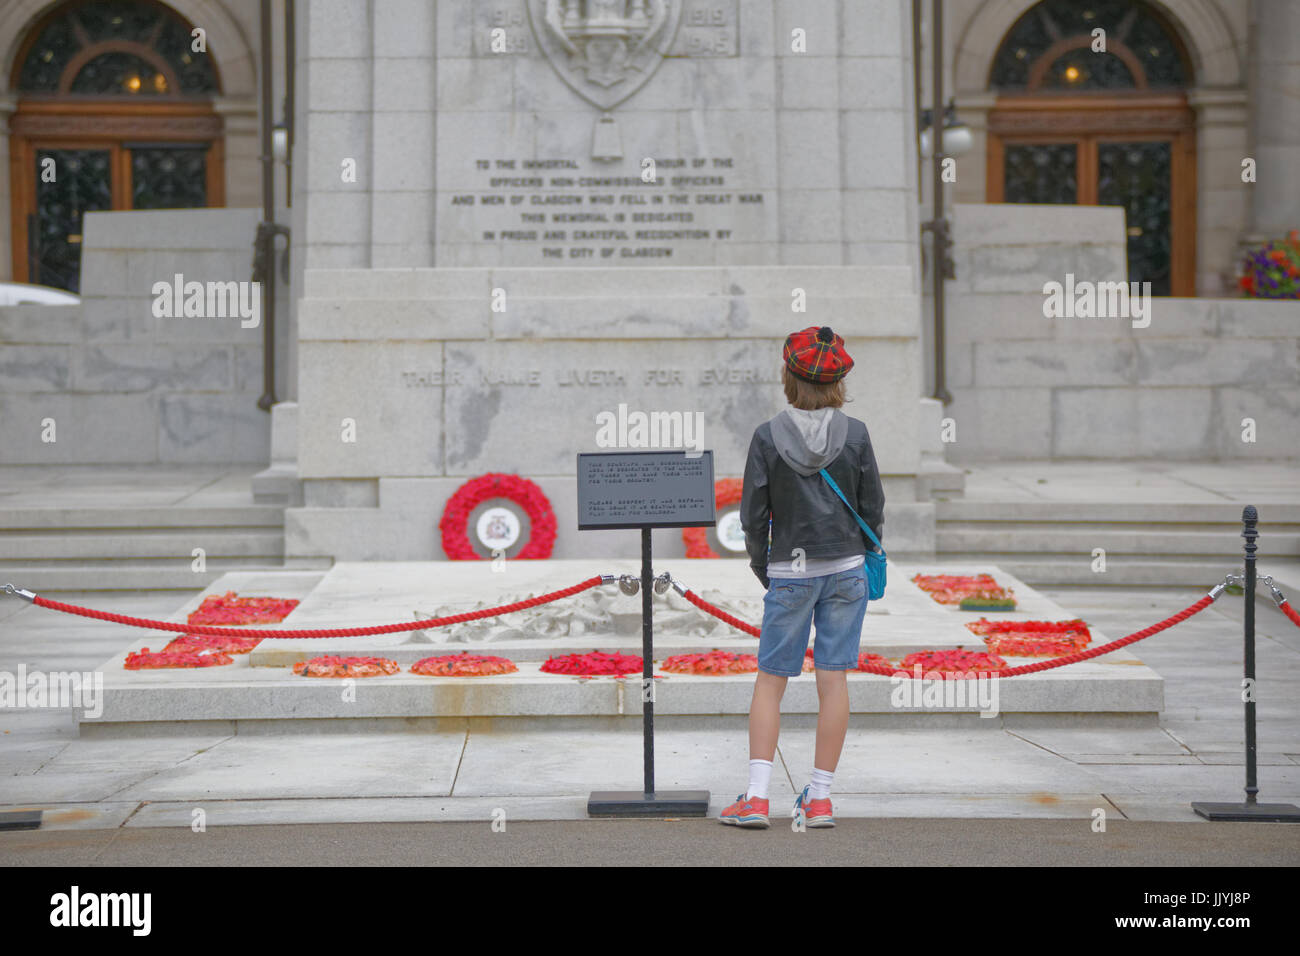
1177 383
121 383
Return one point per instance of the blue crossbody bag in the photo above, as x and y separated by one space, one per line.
875 560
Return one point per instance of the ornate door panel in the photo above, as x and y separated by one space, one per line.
1041 173
1139 177
69 182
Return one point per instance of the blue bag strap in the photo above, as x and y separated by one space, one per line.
865 527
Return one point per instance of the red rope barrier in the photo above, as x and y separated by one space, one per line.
720 614
1037 666
1286 608
335 632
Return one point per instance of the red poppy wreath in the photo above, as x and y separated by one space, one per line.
726 491
521 491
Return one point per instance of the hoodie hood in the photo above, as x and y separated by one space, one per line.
809 441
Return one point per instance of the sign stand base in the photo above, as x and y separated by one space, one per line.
20 820
634 803
1248 812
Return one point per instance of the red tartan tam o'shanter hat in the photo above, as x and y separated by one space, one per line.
816 355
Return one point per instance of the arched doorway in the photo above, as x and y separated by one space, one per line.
115 112
1101 118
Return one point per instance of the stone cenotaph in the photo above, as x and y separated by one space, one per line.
515 216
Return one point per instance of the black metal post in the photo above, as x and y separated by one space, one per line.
647 649
1250 531
939 233
917 92
290 65
1250 811
267 229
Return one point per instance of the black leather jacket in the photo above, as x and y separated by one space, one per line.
804 511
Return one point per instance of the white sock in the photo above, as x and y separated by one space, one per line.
821 784
760 774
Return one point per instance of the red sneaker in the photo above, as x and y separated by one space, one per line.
746 812
816 813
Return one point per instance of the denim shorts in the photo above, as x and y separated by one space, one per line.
836 603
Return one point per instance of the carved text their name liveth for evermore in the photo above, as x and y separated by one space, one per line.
590 377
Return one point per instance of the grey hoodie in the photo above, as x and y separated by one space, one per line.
809 441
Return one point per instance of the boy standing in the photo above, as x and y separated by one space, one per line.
813 567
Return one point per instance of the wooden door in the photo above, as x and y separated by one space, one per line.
1138 152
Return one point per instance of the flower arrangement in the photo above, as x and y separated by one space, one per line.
231 609
463 664
876 659
1033 638
202 642
1014 646
712 664
956 588
998 599
146 659
529 497
1273 270
331 666
593 664
953 664
726 491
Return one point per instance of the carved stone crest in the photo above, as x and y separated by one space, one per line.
605 50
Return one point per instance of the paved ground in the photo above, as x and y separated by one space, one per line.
1129 481
985 795
545 771
901 842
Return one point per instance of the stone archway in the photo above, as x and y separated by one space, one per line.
229 45
233 111
1207 35
1214 47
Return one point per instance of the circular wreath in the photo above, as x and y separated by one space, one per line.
331 666
146 659
726 491
711 664
463 664
595 664
529 497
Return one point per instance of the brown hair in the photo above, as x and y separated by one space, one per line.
811 395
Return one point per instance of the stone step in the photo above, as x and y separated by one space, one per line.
1272 516
134 519
1098 692
121 577
259 693
1122 571
112 543
960 538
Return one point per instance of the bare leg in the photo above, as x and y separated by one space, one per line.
832 718
765 716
